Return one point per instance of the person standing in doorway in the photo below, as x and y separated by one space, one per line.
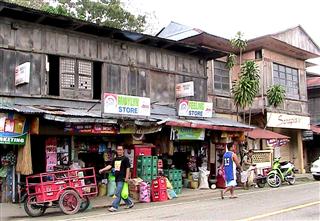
121 166
230 163
247 160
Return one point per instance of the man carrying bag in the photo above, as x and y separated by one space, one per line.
121 166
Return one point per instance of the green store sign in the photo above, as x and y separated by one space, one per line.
13 140
184 133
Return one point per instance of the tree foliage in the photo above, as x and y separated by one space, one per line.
246 88
238 42
109 13
231 61
276 95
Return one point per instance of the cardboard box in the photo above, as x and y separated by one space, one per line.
134 195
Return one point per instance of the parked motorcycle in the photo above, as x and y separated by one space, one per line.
281 172
250 177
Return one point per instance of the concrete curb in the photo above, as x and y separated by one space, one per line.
217 191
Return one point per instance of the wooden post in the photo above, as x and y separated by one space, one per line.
300 152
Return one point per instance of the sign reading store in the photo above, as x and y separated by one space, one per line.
126 105
195 108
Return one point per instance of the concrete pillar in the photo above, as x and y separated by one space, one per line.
300 160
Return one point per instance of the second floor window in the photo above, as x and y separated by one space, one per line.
288 78
221 77
74 78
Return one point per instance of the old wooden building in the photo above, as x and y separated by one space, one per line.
281 58
59 77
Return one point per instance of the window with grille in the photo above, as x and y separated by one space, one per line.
221 77
85 73
288 78
67 70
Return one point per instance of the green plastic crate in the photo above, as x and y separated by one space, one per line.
147 178
154 170
154 161
144 161
178 191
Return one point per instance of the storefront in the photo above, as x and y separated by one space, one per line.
15 153
293 127
311 140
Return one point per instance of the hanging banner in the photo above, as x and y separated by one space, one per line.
185 133
288 121
13 139
140 130
195 108
185 89
13 129
91 129
126 105
22 73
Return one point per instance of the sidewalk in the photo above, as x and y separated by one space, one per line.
9 210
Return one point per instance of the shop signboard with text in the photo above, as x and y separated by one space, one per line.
126 105
195 108
22 73
91 128
185 89
186 133
288 121
11 139
13 129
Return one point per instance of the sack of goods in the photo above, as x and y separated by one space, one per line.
204 173
144 192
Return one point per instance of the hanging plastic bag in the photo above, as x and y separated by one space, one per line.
125 191
244 176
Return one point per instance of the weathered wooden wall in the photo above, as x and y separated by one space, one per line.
224 103
128 68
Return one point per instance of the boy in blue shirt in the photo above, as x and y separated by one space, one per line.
230 164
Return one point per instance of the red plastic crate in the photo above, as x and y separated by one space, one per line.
159 184
158 196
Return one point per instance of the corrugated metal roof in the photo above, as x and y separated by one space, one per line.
313 81
79 119
159 114
259 133
175 31
18 12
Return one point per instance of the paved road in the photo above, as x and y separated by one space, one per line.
297 202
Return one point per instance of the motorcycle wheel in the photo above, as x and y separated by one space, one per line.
32 209
293 180
274 180
261 185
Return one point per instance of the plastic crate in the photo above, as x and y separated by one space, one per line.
158 196
144 161
159 183
154 161
178 190
154 171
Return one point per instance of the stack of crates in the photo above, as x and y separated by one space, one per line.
147 168
175 178
159 189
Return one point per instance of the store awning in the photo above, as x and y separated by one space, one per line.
210 123
315 129
259 133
